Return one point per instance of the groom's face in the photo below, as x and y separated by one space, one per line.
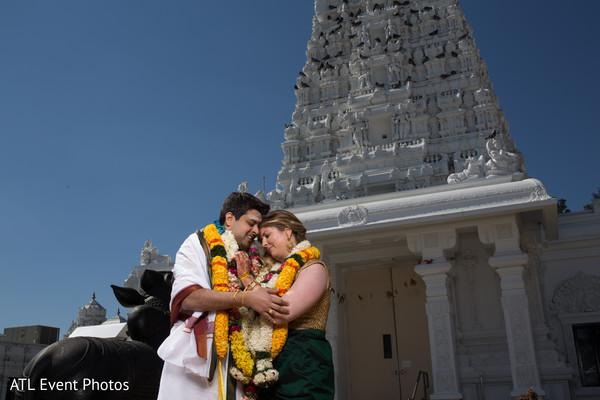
244 229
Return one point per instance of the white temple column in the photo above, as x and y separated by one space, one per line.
437 273
509 262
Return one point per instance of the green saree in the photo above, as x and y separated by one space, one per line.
305 368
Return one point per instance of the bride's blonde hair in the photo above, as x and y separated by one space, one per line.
282 219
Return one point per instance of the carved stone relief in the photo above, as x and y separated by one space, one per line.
578 294
353 215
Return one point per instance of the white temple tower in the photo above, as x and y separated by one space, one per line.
90 314
393 96
150 258
445 257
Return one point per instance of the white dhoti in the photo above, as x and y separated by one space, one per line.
177 383
185 374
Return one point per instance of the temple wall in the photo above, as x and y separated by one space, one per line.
571 287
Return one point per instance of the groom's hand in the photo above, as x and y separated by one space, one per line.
266 302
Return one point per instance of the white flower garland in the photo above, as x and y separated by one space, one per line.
231 245
303 245
257 330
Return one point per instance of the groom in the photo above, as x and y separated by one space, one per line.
188 374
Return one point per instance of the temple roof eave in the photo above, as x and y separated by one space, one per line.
440 204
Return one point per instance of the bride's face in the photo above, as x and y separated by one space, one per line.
275 241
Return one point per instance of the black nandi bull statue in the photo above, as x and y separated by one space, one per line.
109 369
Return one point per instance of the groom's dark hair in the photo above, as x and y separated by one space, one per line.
239 203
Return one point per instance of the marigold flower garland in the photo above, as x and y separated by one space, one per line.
220 282
286 277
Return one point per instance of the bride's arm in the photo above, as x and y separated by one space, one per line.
307 289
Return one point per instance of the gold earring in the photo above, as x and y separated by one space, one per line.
290 245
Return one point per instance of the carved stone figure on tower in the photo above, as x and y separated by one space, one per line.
291 132
394 73
502 162
243 187
364 81
390 30
473 170
150 255
146 255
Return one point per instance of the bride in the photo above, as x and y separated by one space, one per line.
286 356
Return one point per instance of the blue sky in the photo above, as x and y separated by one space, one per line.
127 120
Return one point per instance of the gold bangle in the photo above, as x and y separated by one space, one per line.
252 285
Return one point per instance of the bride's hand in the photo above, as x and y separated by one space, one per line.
243 264
267 303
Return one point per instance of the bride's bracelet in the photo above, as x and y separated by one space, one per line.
252 285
